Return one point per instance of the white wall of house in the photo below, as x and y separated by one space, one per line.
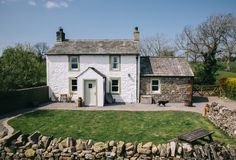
58 74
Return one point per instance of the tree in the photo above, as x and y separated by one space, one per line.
41 49
20 68
157 46
203 44
228 46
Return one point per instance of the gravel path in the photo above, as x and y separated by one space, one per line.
198 106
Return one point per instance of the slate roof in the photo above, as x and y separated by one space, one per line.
155 66
95 47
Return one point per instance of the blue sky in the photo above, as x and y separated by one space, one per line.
32 21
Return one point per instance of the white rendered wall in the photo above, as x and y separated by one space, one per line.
58 74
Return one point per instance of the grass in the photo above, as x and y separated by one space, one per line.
158 127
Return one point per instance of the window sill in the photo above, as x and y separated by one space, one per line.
73 70
73 92
115 70
158 92
115 93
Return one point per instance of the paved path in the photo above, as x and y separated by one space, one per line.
197 107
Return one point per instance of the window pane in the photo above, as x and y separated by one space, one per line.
155 88
114 65
114 82
155 82
115 59
74 88
115 88
74 59
74 65
74 82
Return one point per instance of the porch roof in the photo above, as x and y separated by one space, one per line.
95 70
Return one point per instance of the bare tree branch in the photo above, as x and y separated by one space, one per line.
157 46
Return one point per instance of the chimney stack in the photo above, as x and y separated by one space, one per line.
136 34
60 35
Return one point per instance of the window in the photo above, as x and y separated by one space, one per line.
155 86
74 62
115 86
73 84
115 62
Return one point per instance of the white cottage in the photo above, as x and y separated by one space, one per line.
93 68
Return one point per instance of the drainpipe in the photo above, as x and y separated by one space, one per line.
137 78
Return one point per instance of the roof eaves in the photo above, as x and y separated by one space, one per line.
117 53
165 75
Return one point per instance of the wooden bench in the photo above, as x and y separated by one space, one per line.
195 135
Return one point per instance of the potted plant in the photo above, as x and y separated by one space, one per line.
80 102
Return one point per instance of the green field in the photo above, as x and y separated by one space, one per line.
158 127
222 74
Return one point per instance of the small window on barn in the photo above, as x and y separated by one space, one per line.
74 62
155 86
73 84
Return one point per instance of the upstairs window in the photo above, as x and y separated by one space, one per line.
115 62
73 84
74 62
155 86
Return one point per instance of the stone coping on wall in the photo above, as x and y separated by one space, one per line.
37 146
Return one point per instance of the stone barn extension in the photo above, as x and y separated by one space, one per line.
168 79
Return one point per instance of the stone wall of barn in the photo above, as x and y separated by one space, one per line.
173 89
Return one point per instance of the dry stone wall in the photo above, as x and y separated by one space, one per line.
36 146
224 118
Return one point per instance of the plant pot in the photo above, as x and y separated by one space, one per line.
80 101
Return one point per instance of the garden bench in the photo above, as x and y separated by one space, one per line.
195 135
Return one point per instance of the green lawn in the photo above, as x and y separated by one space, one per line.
158 127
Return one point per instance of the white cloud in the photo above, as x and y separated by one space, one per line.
46 3
32 3
6 1
56 4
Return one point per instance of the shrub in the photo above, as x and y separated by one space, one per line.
229 87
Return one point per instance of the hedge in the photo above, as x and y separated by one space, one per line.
229 87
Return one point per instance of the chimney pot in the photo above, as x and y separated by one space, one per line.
60 35
136 34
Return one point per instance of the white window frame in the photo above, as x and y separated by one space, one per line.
118 85
70 63
71 84
112 62
159 86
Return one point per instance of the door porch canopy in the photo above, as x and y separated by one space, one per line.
92 74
